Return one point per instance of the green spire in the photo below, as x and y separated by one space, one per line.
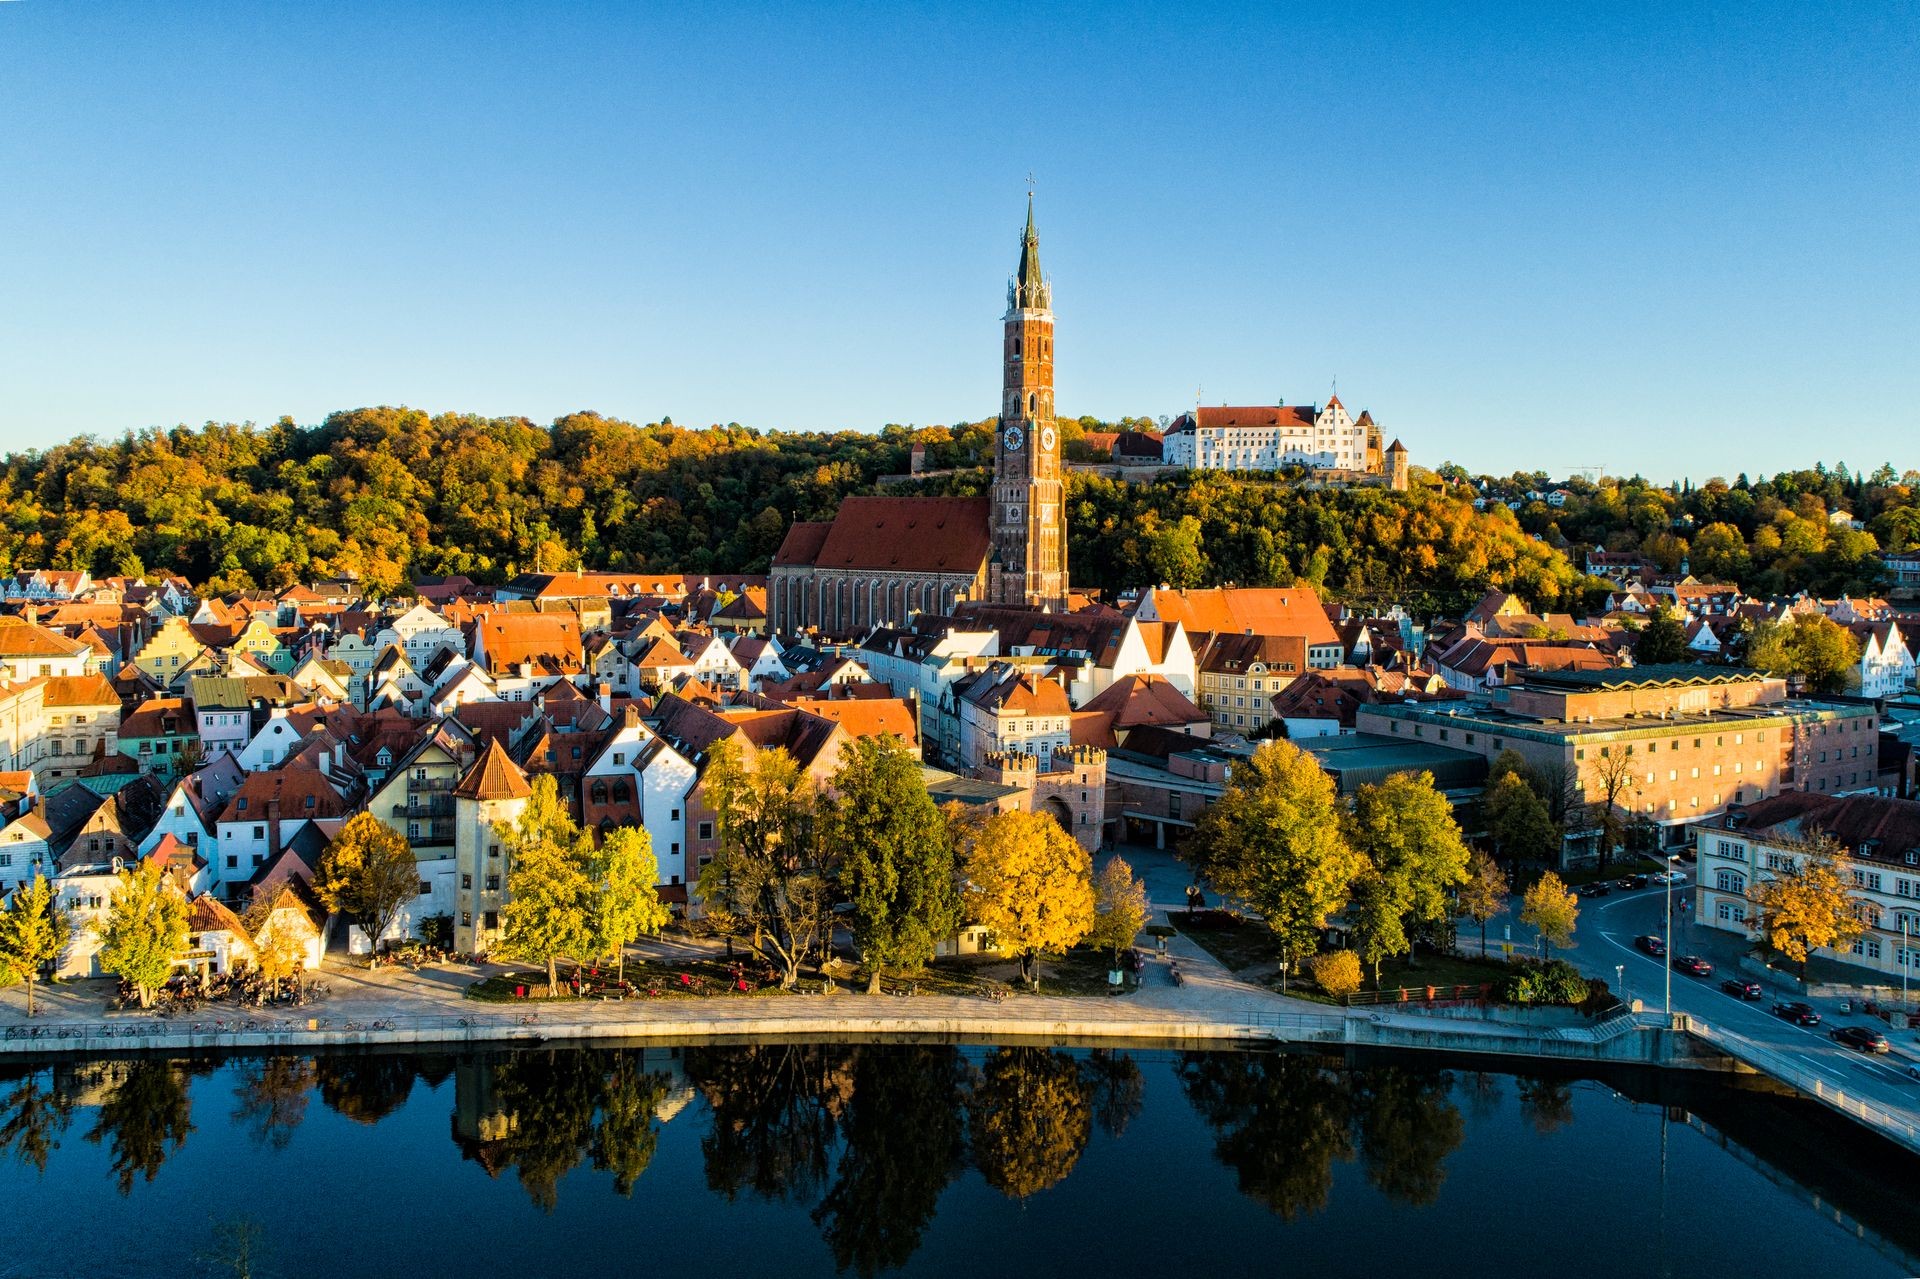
1030 291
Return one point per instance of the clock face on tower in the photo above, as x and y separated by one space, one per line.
1046 438
1013 438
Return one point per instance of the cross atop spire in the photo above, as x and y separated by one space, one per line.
1029 290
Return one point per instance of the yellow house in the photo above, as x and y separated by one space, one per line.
174 654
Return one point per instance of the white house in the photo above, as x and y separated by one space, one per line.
1886 660
638 779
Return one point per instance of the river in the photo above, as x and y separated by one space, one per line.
807 1159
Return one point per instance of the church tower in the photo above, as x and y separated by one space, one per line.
1029 501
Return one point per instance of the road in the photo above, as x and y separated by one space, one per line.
1605 936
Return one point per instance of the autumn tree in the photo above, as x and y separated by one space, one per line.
1484 895
1030 884
1404 828
1615 780
1517 820
550 908
279 953
1809 646
769 869
1551 910
1807 904
1275 839
1336 971
896 857
146 929
1119 907
626 903
368 873
31 935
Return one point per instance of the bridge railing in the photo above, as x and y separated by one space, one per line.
1803 1079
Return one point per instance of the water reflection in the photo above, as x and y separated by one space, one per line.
904 1141
144 1118
865 1139
34 1114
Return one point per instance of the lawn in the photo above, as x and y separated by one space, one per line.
1400 974
682 979
1234 940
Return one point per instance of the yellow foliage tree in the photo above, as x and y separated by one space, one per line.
1031 885
1550 909
1807 905
1337 972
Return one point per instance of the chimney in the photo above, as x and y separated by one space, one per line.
605 692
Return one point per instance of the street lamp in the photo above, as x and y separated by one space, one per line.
1669 955
1620 981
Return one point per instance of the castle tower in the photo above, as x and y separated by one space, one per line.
1397 473
1029 513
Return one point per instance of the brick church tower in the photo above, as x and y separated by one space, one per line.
1029 508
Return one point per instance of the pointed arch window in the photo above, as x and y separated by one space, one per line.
1033 402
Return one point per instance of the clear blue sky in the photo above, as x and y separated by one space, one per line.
1671 238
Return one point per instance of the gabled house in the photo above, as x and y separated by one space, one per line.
265 814
191 809
636 779
159 735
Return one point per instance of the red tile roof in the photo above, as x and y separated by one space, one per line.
908 534
494 776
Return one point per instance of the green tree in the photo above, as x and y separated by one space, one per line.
1517 820
1551 910
1119 907
550 908
31 935
626 898
770 869
896 857
1030 884
1484 895
1031 1115
1275 839
1662 640
146 929
368 873
1404 828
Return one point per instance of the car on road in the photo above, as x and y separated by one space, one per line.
1596 889
1741 988
1693 965
1800 1014
1865 1038
1636 881
1669 877
1651 945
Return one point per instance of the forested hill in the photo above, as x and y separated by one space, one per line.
394 493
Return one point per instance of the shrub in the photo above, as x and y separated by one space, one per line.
1338 973
1556 982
